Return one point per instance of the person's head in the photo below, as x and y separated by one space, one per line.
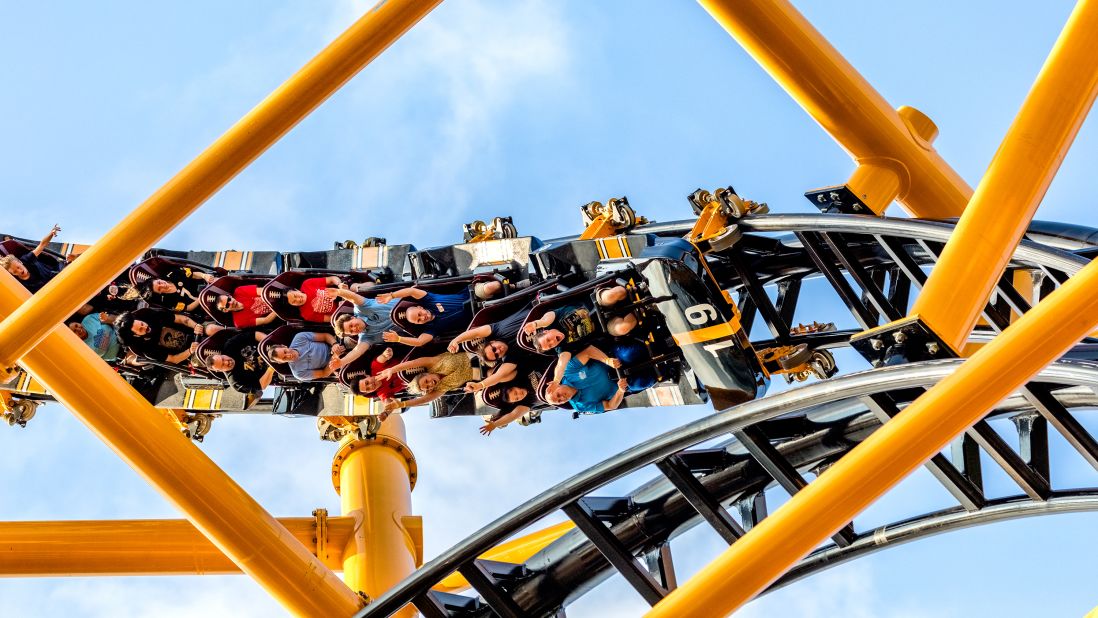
367 384
419 315
491 351
296 298
349 325
221 362
140 328
546 339
515 394
283 354
228 304
426 382
15 267
558 394
78 328
160 286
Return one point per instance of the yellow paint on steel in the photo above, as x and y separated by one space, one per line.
816 75
218 507
375 491
708 333
891 453
1007 197
217 165
136 547
516 551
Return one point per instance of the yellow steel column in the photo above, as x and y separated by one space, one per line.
892 149
1016 181
204 176
891 453
374 479
137 547
144 439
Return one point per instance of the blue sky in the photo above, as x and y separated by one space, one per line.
526 108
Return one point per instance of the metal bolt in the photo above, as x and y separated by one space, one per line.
857 208
876 344
932 347
899 337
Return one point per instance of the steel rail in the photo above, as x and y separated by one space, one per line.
1079 373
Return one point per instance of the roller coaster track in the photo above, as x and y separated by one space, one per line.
774 441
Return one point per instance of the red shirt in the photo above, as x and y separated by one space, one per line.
319 302
390 387
254 306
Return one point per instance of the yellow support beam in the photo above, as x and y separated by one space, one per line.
183 474
892 148
137 547
890 454
374 479
1015 183
211 170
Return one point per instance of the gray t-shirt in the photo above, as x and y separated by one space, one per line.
312 355
378 318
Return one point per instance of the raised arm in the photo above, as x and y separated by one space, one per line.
46 240
479 332
350 357
562 364
391 336
488 427
593 353
267 319
504 373
265 379
615 401
346 294
416 363
412 292
185 321
399 406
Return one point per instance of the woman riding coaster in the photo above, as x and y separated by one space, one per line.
178 288
318 297
28 269
373 385
444 373
308 355
571 324
247 307
370 320
437 316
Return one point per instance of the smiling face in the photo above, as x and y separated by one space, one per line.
419 315
368 384
428 382
354 326
222 363
283 354
140 328
228 304
79 329
559 394
494 351
296 297
549 339
163 287
515 394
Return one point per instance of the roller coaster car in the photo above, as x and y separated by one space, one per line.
274 292
707 330
498 309
388 259
284 336
214 344
226 286
584 257
236 262
506 255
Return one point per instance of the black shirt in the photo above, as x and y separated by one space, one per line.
176 301
165 337
249 366
507 329
40 273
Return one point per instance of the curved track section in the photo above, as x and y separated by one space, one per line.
775 441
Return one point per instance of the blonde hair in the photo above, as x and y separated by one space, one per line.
7 261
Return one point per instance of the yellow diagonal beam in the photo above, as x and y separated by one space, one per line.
880 138
1015 183
204 176
151 445
943 412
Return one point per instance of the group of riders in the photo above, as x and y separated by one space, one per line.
513 341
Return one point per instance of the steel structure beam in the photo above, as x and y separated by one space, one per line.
892 148
217 165
183 474
1015 182
137 547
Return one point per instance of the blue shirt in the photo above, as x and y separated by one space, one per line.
312 355
452 313
378 318
101 337
593 385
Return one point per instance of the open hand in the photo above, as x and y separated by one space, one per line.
390 336
487 428
384 298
